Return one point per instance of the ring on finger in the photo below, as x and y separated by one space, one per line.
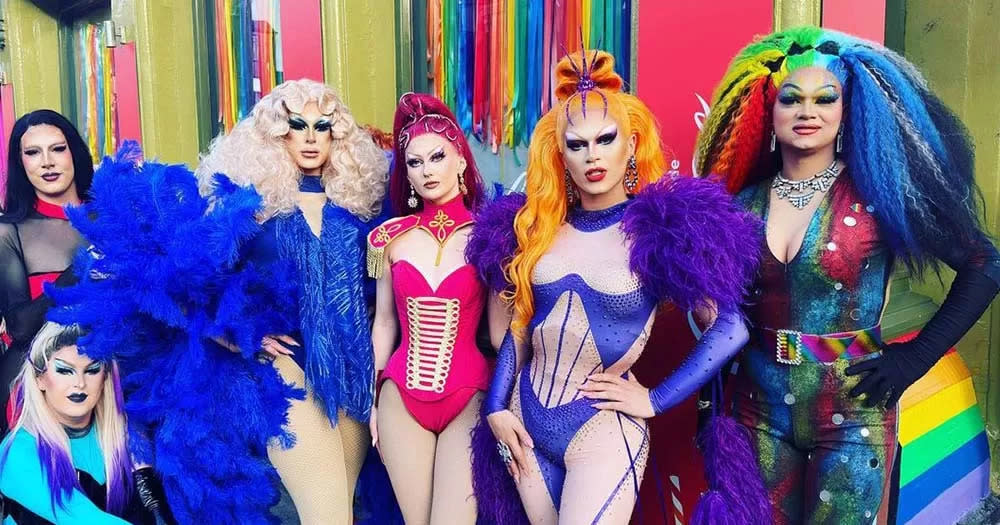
505 454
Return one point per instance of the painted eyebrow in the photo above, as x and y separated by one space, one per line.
609 129
39 146
63 363
439 149
795 87
300 117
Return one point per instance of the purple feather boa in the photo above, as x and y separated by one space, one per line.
736 494
496 495
691 243
492 243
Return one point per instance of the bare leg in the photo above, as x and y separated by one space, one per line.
453 500
313 471
408 453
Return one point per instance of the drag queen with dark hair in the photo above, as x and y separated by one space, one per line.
48 167
321 178
838 144
432 384
585 258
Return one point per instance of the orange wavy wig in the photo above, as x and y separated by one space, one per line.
546 205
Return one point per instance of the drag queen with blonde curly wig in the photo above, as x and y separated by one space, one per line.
321 179
585 259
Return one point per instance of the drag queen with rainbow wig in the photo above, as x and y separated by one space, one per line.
585 259
854 165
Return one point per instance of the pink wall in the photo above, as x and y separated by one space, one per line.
126 84
684 48
6 125
862 18
301 39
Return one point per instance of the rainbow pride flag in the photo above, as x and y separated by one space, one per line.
945 469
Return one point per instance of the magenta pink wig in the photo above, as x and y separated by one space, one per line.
416 114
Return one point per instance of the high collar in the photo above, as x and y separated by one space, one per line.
47 209
596 220
311 184
77 433
443 219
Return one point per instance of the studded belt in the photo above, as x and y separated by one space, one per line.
793 347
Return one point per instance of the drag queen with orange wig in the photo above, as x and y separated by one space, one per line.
585 258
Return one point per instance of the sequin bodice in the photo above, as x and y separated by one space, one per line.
837 280
591 313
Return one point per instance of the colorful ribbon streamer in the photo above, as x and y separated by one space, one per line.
492 61
96 113
247 58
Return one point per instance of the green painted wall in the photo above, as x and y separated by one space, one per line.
359 57
957 46
165 55
33 43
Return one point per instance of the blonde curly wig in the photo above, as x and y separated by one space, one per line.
254 153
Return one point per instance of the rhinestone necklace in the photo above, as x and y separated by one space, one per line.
800 192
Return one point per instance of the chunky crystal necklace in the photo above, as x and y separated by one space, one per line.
800 192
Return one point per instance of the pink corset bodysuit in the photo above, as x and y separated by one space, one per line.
437 366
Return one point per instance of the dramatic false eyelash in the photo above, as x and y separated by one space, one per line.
437 155
297 124
322 125
607 138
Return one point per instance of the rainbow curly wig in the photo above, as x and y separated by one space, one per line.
907 154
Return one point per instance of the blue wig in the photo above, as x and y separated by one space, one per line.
908 155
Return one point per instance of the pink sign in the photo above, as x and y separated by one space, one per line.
6 126
861 18
684 49
126 86
301 39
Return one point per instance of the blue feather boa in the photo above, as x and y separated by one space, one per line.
164 276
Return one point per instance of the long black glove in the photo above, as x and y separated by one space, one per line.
902 364
151 495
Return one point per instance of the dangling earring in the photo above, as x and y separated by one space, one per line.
774 141
840 139
461 184
631 176
570 193
412 201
